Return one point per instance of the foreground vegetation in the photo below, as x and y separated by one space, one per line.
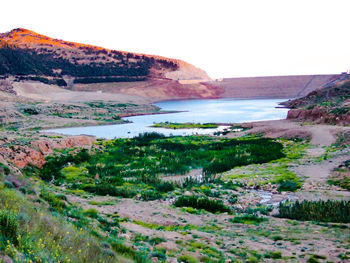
132 200
31 233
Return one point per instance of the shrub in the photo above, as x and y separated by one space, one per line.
288 182
248 219
289 185
148 136
53 200
93 213
4 169
343 182
187 259
9 225
273 254
312 259
233 199
165 187
23 190
324 211
157 240
128 251
150 195
8 184
205 203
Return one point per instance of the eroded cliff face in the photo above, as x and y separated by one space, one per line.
318 115
35 153
329 105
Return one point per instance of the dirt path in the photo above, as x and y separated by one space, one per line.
323 135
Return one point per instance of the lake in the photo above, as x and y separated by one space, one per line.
196 111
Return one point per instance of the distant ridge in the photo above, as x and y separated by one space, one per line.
25 52
27 56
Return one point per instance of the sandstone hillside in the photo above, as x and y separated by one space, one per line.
327 105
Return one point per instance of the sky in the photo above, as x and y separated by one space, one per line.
226 38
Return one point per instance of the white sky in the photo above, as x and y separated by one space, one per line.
227 38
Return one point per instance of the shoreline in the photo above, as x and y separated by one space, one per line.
123 117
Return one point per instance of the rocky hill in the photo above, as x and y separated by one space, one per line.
27 58
24 52
327 105
33 57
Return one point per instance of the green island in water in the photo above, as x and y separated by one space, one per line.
187 125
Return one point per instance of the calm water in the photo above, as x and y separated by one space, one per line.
197 111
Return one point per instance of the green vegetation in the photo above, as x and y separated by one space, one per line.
8 226
248 219
29 232
124 167
16 61
205 203
341 176
187 125
324 211
343 182
188 259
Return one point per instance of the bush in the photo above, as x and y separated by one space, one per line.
8 184
4 169
93 213
165 187
187 259
53 200
273 254
205 203
128 251
8 225
23 190
324 211
248 219
289 185
233 199
150 195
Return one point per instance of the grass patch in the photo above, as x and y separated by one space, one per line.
187 125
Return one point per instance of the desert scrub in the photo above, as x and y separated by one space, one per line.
324 211
210 205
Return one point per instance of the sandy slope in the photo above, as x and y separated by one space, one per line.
323 135
40 91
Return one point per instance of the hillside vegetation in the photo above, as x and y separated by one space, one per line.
327 105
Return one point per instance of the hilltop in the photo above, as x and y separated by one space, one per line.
30 57
34 64
41 55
